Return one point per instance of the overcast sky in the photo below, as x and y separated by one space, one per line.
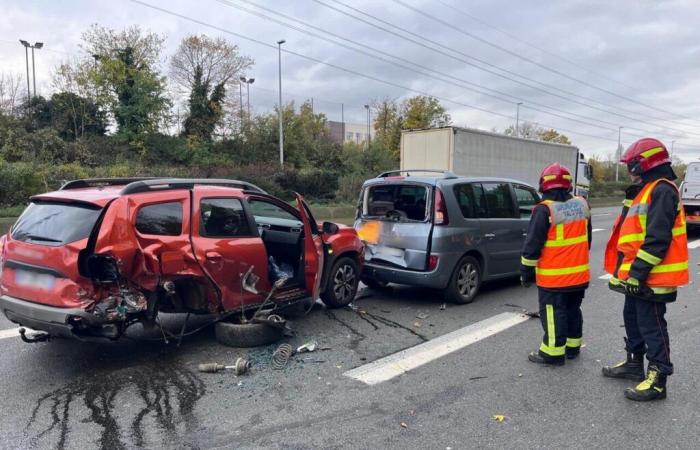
637 62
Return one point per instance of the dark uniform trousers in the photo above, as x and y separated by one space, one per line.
562 321
647 331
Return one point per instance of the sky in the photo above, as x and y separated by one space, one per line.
583 67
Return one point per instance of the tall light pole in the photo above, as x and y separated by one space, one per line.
517 119
672 143
617 163
27 45
367 141
279 59
26 55
248 82
240 95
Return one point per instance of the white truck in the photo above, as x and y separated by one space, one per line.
690 193
469 152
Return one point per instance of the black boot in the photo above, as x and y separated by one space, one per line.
539 358
572 352
652 388
631 369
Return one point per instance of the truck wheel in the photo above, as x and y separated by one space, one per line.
465 281
247 334
342 283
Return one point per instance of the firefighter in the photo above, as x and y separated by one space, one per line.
647 256
555 257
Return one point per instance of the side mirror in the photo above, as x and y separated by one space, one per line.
330 228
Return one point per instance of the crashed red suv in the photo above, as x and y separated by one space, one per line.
99 255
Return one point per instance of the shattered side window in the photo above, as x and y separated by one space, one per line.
164 219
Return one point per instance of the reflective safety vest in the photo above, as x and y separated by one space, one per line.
610 262
667 273
564 258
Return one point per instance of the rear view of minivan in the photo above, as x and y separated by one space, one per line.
438 230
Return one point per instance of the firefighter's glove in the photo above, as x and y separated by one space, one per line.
527 276
633 286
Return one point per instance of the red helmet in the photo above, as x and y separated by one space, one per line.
644 155
555 176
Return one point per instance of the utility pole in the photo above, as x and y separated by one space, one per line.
367 141
342 120
312 105
279 60
37 46
248 82
517 119
617 163
240 96
26 55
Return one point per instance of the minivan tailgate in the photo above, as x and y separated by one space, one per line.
402 244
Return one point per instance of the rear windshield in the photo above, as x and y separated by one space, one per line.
399 202
55 224
692 173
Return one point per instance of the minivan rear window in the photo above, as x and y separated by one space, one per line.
54 224
396 202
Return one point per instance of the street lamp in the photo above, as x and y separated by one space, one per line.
279 59
248 82
26 55
517 119
368 138
617 165
672 143
27 45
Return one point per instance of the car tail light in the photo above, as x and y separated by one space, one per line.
432 262
440 209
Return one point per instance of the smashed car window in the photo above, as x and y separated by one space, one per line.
396 202
164 219
54 224
223 217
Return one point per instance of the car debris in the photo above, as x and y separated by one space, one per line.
443 307
308 347
422 316
240 367
280 357
499 418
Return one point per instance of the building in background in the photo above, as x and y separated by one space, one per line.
348 132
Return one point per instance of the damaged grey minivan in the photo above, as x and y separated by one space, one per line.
438 230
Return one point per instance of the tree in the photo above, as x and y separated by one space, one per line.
529 130
10 85
387 124
206 110
126 78
423 112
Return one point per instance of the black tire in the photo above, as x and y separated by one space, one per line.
343 280
247 334
465 281
376 285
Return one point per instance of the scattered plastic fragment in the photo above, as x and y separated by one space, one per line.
403 425
416 324
520 375
499 418
307 347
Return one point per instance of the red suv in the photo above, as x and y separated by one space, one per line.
98 255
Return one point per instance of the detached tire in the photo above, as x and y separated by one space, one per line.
247 334
465 281
343 280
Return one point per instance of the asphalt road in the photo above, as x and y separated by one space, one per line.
130 394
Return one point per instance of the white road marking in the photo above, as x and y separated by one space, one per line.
4 334
595 230
601 214
399 363
694 244
607 276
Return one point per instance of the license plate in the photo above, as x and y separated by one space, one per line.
35 280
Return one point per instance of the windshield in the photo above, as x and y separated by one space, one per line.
399 202
55 224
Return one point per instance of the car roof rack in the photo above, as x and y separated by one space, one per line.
159 184
97 182
445 173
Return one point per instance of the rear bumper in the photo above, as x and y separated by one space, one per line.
54 321
437 278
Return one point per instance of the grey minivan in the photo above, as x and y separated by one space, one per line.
439 230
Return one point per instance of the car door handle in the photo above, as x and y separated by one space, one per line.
213 256
489 235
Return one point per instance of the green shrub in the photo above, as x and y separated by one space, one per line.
18 182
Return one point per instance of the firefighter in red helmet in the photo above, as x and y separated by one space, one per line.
555 257
647 256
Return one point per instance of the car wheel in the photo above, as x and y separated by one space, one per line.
247 334
342 283
465 281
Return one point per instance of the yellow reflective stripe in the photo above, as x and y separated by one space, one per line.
678 231
574 342
552 351
562 271
661 268
627 202
566 177
633 237
615 281
648 257
549 177
664 290
565 242
560 231
528 262
551 336
652 151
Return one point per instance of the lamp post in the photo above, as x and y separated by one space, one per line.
27 45
26 55
279 60
617 165
248 82
672 143
517 119
367 141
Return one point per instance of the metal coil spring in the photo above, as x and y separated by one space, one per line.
280 357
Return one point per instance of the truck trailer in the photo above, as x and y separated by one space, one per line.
470 152
690 193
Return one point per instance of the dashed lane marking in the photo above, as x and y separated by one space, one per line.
694 244
14 332
399 363
601 214
595 230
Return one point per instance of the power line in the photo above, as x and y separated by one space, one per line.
351 71
540 65
437 50
372 49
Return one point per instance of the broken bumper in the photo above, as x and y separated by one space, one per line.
437 278
55 321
